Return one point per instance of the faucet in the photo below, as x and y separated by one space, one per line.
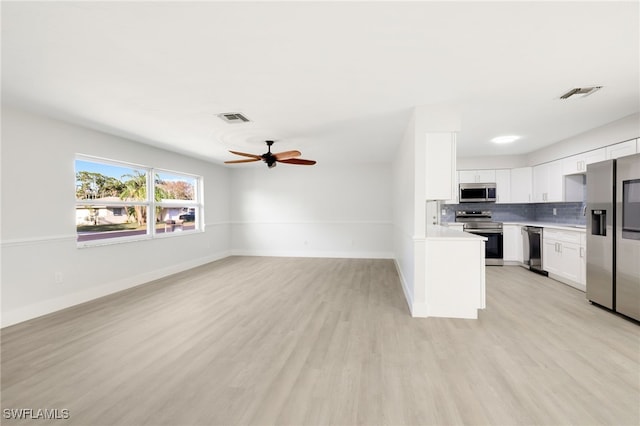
584 209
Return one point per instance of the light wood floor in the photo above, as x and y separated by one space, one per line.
288 341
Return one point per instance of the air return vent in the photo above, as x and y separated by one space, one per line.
580 92
233 117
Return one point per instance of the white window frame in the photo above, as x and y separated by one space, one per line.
150 204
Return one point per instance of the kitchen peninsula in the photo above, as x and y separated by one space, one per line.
451 290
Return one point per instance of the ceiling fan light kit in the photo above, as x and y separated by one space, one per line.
287 157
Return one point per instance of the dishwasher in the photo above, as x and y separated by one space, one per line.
532 249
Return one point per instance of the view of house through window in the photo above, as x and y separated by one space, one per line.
112 201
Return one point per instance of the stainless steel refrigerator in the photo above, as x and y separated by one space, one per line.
613 235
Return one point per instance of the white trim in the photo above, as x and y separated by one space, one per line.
115 163
407 295
52 305
417 310
38 240
315 253
313 222
217 223
15 242
566 281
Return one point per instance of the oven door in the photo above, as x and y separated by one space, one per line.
493 253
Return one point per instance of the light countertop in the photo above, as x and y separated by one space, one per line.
562 226
447 233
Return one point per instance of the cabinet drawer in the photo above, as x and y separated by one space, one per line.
564 236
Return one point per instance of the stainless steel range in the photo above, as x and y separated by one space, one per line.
480 223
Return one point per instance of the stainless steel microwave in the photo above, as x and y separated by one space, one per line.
478 192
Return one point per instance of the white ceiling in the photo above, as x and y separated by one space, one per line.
337 81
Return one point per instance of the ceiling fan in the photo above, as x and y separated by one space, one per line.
288 157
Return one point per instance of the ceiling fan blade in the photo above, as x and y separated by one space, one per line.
298 161
251 160
244 154
286 155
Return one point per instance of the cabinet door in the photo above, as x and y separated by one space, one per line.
593 157
467 176
621 149
503 186
485 176
570 261
583 259
521 181
440 166
551 256
455 190
572 165
548 182
512 243
540 182
578 163
555 185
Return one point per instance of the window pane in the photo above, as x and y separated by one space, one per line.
174 219
105 183
96 221
172 187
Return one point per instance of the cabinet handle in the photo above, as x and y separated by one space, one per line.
581 251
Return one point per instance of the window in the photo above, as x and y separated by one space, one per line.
112 202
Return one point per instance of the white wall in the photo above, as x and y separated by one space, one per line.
38 219
319 211
403 205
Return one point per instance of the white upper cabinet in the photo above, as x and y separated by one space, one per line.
455 191
621 149
440 166
578 163
521 185
503 186
477 176
548 182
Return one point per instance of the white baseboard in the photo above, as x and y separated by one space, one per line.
310 253
570 283
418 310
26 313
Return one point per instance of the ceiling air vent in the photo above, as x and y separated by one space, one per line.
233 117
580 92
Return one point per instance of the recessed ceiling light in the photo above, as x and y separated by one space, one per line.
505 139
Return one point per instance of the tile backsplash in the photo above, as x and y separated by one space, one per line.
569 213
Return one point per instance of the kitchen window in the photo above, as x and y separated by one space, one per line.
113 202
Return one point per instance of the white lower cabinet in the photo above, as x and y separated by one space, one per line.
563 256
512 243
